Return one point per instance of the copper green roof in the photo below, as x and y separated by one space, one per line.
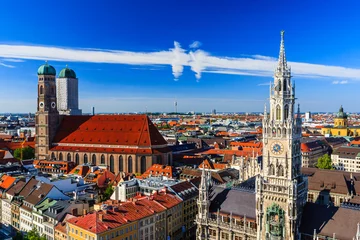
43 206
46 69
67 73
341 113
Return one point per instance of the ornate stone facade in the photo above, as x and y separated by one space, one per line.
269 205
281 189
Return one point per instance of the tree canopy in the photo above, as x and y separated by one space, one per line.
27 153
31 235
324 162
107 193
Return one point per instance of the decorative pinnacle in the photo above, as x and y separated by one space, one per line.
282 58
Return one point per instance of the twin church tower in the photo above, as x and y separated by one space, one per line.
56 97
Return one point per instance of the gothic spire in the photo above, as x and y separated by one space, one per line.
358 232
282 65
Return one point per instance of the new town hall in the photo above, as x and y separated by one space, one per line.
272 204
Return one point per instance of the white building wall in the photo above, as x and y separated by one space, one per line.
6 214
26 221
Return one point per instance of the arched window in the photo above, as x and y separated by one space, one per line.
271 170
85 158
77 159
112 163
280 171
102 159
284 85
278 112
143 164
52 155
93 159
68 158
279 131
130 167
121 164
41 90
52 90
284 131
60 156
286 112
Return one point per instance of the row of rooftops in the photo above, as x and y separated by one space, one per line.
113 214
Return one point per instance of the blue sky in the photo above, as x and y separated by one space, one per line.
134 55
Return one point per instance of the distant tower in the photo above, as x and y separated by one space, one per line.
281 189
203 206
175 105
67 92
47 115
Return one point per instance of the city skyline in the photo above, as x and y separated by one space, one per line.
126 63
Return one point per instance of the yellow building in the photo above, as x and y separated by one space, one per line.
341 127
102 225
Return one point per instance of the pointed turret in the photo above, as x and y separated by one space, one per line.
358 232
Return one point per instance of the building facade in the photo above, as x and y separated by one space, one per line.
346 159
67 93
129 143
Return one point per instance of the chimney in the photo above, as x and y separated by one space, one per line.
74 211
93 111
101 217
84 211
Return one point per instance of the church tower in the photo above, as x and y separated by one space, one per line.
47 115
281 190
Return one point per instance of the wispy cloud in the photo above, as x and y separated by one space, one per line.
6 65
264 84
198 60
341 82
195 44
12 60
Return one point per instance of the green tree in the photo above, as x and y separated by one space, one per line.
324 162
107 193
27 153
31 235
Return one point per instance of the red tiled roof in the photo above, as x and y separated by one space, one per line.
210 165
6 181
159 170
127 130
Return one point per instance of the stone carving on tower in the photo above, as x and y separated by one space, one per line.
281 190
47 115
203 203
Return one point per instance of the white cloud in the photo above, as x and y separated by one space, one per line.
340 82
6 65
264 84
199 61
178 61
12 60
195 44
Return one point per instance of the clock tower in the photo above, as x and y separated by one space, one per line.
47 115
281 190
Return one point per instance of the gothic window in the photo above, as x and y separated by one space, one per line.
284 131
130 163
77 160
278 112
279 132
142 164
68 158
271 169
121 164
60 156
93 159
284 83
280 171
286 112
102 159
85 158
41 90
112 163
52 155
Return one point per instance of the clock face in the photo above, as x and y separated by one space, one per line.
277 148
53 104
41 104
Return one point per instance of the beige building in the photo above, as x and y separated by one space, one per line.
346 159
